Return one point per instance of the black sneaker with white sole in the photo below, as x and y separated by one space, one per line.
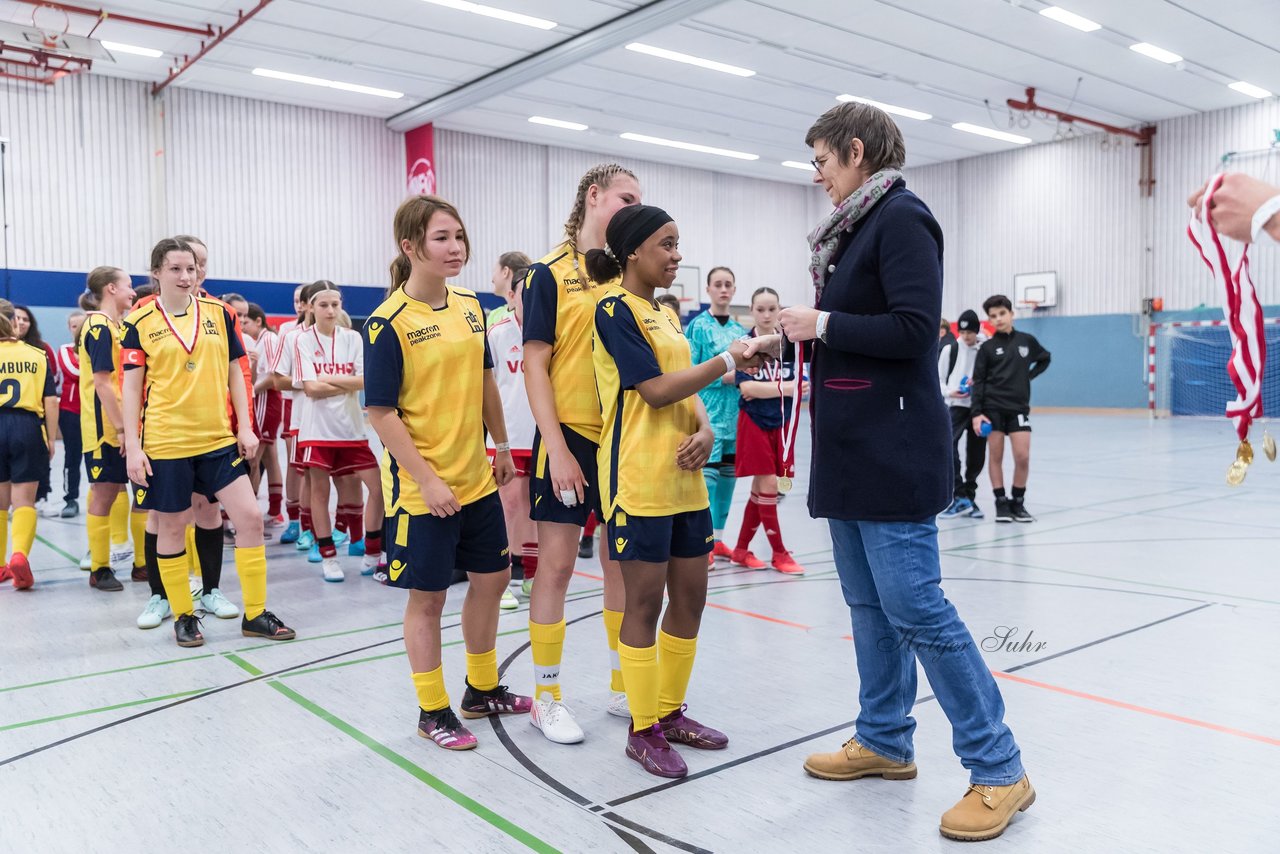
187 630
266 625
1019 511
104 579
1004 510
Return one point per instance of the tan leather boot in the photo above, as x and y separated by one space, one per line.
854 761
984 811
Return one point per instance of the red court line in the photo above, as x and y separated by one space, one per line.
1143 709
754 615
588 575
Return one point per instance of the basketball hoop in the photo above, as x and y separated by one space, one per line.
47 24
1034 306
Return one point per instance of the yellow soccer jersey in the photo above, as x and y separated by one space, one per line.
559 308
25 379
637 341
429 364
99 351
184 403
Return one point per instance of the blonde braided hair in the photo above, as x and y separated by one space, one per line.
602 176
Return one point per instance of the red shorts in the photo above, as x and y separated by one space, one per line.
338 460
760 451
286 415
267 415
522 459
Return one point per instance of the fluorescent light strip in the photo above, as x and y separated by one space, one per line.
1157 53
675 56
328 84
117 47
556 123
796 164
1071 19
689 146
991 133
888 108
1249 89
493 12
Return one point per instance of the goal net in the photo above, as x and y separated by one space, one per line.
1187 368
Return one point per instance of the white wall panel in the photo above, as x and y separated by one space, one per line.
77 171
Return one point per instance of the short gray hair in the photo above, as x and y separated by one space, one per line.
839 126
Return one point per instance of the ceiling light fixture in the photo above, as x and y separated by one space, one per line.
688 59
689 146
796 164
1249 89
328 84
991 133
556 123
118 47
888 108
493 12
1071 19
1157 53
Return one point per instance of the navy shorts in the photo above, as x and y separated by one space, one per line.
1010 422
423 550
171 482
24 454
657 539
544 502
106 465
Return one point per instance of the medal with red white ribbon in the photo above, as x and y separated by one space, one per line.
1243 314
789 425
193 306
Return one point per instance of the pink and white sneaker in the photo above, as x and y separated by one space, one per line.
499 701
443 727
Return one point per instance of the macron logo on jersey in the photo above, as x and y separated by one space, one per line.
374 327
609 306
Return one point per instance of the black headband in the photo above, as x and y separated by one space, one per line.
631 226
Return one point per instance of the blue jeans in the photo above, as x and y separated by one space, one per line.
891 578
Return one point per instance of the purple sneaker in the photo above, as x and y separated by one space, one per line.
679 727
499 701
444 728
649 747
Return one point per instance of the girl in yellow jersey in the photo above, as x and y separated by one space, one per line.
110 294
559 302
178 351
431 395
28 425
655 440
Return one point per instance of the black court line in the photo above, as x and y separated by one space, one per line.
827 731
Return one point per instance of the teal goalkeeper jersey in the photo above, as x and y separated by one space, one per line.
708 338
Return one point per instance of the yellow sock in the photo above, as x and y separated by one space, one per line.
24 529
640 670
612 627
173 574
251 566
4 535
430 687
99 540
547 644
675 665
193 563
482 670
138 530
120 519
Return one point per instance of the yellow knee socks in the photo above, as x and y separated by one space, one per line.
24 530
120 519
675 665
99 528
482 670
138 531
547 644
173 574
612 627
251 566
640 671
430 689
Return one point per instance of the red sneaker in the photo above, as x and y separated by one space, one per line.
21 571
743 557
786 564
721 550
5 574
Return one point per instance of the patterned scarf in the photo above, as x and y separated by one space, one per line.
826 237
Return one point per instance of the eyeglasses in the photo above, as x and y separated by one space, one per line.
819 162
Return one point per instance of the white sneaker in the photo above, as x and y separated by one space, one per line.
618 705
155 613
121 556
86 562
509 601
332 569
220 606
44 508
369 564
555 720
273 523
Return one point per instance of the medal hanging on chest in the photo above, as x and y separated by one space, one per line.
789 425
188 348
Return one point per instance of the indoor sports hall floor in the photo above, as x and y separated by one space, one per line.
1146 714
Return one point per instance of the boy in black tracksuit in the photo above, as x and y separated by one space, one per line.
1002 375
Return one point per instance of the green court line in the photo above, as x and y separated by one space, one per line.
129 669
405 764
75 560
130 704
382 657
